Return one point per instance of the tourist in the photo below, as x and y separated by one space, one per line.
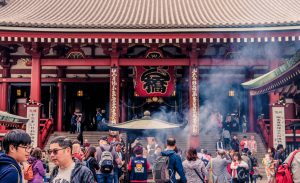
269 165
194 168
73 123
175 164
218 167
78 123
76 150
247 160
244 144
16 145
235 165
107 176
235 144
219 144
271 151
295 165
99 118
37 166
278 157
138 166
67 169
252 145
91 161
226 138
118 168
86 143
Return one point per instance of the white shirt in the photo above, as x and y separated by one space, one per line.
64 175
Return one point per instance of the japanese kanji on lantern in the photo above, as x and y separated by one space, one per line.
156 81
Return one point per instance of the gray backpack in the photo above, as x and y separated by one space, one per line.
106 161
161 170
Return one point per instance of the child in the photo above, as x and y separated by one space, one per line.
269 165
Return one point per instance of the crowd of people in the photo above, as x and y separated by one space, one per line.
106 162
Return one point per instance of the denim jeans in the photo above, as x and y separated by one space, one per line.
116 175
105 178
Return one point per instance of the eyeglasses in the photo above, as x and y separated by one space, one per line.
27 148
54 151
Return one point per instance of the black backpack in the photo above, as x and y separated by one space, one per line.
242 174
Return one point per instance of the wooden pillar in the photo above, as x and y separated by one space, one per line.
4 96
252 122
194 111
123 111
251 113
273 98
35 86
60 96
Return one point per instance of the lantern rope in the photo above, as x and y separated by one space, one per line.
133 107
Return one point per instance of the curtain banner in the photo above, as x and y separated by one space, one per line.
158 81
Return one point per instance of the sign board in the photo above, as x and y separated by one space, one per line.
32 126
154 81
278 126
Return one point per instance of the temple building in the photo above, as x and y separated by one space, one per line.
183 60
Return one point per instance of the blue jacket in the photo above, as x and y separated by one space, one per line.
175 165
10 170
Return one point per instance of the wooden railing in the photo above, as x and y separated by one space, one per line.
45 130
264 127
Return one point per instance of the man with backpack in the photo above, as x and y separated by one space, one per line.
106 157
173 164
16 144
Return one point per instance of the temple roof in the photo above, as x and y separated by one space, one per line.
282 76
147 15
7 117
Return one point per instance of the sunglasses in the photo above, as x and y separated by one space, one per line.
54 151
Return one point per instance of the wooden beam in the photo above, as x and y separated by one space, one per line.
55 80
76 62
153 62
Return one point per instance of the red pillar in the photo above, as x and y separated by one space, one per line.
4 96
60 95
123 111
35 87
251 113
273 99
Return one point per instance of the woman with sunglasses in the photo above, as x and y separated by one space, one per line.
91 162
37 166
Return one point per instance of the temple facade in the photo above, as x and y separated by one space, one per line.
181 60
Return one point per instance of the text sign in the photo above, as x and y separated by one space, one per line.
33 124
278 126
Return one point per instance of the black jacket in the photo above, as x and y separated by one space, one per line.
80 174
